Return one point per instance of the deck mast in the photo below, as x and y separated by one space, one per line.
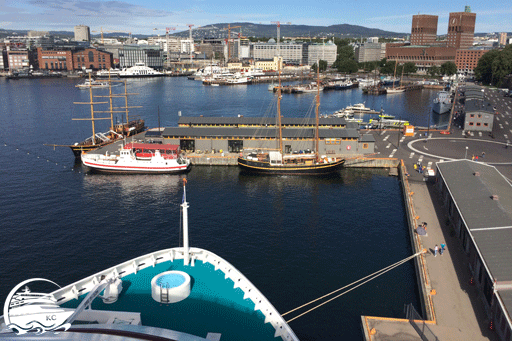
316 110
184 205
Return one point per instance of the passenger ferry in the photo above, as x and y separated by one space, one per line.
140 70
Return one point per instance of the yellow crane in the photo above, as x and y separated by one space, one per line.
109 31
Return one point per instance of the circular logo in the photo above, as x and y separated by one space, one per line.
26 311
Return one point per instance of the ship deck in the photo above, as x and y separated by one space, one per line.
214 305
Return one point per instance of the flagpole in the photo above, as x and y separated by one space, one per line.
184 205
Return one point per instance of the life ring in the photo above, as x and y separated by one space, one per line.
349 147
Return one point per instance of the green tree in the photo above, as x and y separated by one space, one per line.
502 65
347 66
323 65
434 70
387 67
448 68
409 68
483 70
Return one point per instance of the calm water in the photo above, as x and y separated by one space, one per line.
295 238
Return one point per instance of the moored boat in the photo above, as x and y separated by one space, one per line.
94 84
139 158
116 131
139 70
442 103
277 162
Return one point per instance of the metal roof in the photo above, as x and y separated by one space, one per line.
261 121
478 105
473 186
257 132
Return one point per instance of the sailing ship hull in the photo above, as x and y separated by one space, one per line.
79 149
264 167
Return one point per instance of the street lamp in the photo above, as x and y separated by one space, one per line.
466 155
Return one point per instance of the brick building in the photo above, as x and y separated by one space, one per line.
92 59
423 57
424 29
74 60
54 60
461 29
18 59
467 60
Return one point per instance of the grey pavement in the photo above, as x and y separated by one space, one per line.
458 307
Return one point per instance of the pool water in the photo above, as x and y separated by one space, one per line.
170 280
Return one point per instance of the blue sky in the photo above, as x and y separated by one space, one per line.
142 17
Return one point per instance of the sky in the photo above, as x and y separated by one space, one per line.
143 17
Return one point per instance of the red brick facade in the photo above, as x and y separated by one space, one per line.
467 60
69 60
461 29
55 60
422 56
92 59
424 29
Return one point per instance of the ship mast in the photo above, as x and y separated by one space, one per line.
279 106
184 205
316 109
91 103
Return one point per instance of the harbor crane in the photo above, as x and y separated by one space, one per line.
109 31
229 38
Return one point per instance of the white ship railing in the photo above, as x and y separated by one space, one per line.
272 316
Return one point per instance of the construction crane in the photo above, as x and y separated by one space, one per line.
191 41
116 31
279 33
229 38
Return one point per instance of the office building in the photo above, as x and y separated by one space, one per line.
467 59
18 59
82 33
503 38
151 55
424 29
316 52
291 53
370 52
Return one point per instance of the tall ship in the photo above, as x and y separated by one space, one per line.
132 125
442 103
182 293
140 70
278 162
139 158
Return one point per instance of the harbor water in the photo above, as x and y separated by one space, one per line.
295 238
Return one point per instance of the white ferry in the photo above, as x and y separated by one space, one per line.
139 158
140 70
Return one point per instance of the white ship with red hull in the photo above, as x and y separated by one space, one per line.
139 158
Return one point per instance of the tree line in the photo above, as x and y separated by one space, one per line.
494 66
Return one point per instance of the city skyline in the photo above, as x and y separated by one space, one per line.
141 18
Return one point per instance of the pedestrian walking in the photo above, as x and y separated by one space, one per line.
483 154
441 250
436 248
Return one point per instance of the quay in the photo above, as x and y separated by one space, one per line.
454 304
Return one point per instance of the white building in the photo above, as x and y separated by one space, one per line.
290 52
82 33
325 51
369 52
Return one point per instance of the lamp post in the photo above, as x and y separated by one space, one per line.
466 155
